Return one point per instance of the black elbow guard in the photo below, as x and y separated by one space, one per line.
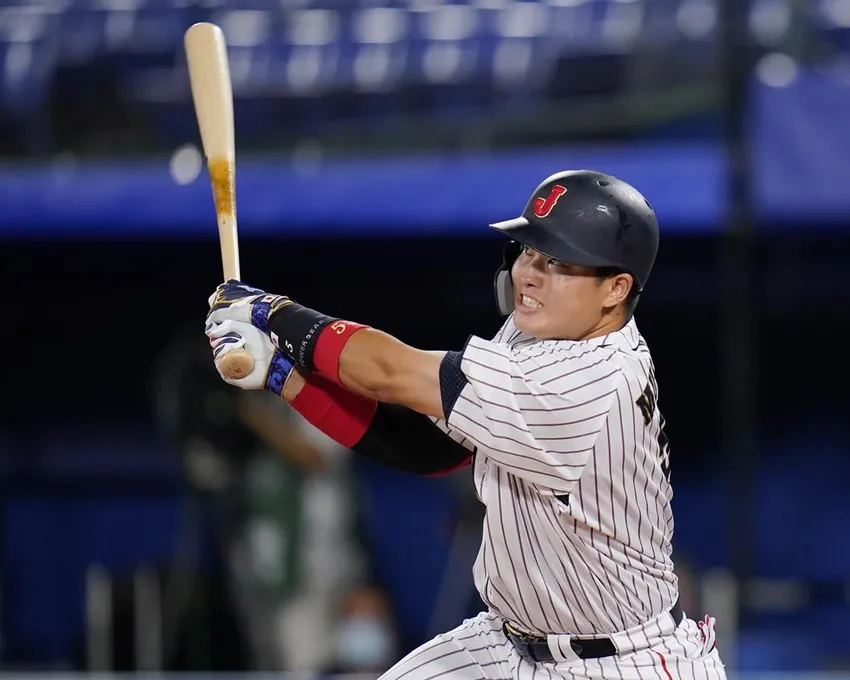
452 381
407 440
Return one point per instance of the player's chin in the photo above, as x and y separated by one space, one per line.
532 322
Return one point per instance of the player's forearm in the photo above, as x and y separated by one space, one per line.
381 367
370 374
366 361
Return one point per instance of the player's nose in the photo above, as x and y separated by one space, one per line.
530 272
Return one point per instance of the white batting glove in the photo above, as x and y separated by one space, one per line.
271 367
238 301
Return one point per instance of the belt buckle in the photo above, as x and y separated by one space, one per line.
523 637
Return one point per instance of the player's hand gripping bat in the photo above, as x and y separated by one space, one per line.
212 93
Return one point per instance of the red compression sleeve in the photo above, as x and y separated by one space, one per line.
329 346
342 415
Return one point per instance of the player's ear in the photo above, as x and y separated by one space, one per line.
619 285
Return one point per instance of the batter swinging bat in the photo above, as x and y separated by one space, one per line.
212 93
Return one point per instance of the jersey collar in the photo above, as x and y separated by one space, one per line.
628 337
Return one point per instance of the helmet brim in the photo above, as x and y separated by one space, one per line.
519 229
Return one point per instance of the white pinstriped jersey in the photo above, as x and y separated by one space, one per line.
572 465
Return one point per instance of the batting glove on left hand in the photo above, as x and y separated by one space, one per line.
236 301
271 367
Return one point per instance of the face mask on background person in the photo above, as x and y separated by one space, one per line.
364 643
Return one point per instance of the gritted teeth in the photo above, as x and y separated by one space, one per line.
530 302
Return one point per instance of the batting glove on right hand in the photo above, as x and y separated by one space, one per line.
271 366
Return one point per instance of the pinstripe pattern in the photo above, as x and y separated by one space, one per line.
478 649
571 464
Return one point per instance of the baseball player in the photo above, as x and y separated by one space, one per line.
558 415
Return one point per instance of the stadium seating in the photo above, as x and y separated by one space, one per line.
457 52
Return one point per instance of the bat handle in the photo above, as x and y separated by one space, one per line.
237 364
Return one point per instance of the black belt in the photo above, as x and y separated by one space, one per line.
537 648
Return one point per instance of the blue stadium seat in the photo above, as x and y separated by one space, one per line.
519 55
832 20
164 91
151 31
378 43
249 34
148 30
130 5
770 21
84 36
308 63
26 68
697 21
575 26
261 5
445 44
696 43
308 51
447 58
585 58
28 53
374 60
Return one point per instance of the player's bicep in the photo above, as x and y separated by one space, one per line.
537 418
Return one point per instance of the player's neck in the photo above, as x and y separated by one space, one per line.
610 323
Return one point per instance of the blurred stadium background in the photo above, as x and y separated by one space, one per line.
154 521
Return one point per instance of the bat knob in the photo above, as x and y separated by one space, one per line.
237 364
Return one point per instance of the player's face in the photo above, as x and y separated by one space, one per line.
556 300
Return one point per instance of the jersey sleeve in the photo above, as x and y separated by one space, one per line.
535 413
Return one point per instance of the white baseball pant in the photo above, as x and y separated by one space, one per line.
479 649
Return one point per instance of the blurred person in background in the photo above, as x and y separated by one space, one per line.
280 497
365 639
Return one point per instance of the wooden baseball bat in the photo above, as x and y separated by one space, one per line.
212 93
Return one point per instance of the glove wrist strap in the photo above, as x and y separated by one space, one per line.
279 371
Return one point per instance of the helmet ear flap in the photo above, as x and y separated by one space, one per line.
503 287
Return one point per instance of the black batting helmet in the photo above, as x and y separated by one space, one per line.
586 218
